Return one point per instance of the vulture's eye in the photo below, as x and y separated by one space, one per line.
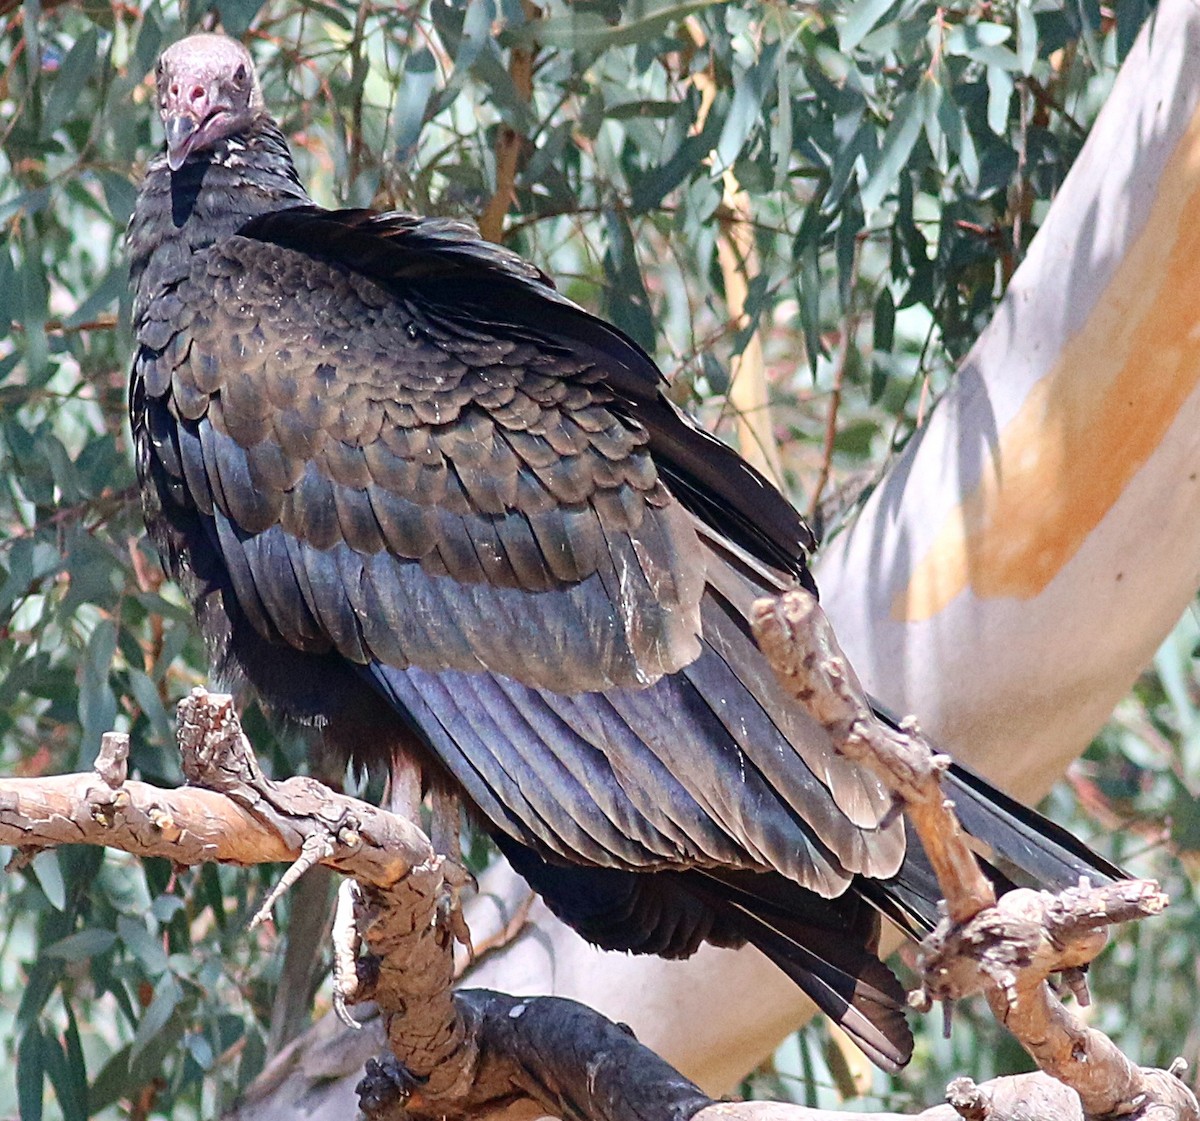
239 75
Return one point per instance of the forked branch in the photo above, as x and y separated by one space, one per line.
1007 948
477 1054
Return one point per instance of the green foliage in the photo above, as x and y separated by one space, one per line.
894 159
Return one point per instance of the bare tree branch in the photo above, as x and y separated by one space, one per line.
509 142
238 817
484 1055
1005 948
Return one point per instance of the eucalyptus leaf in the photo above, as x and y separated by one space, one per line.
649 188
591 32
97 702
73 74
1130 15
897 146
420 74
145 947
861 16
46 868
145 693
119 194
69 1083
626 299
884 321
953 126
473 37
1000 91
72 1087
104 296
167 995
200 1050
745 111
31 1067
237 15
1027 34
112 1082
82 944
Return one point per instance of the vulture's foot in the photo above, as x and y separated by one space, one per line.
385 1088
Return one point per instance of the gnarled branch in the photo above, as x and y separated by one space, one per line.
1005 948
479 1054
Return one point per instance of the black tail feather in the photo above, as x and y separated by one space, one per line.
854 989
1026 847
828 947
1023 849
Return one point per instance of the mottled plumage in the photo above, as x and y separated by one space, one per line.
422 501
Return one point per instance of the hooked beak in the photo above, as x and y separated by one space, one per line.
181 130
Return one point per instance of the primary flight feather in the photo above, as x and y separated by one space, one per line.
422 501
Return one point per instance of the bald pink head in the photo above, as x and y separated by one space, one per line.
207 90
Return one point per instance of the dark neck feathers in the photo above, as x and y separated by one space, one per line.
210 197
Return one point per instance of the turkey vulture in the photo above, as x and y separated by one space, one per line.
423 502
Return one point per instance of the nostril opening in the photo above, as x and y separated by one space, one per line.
174 89
197 93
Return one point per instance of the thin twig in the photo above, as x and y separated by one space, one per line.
509 142
849 330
